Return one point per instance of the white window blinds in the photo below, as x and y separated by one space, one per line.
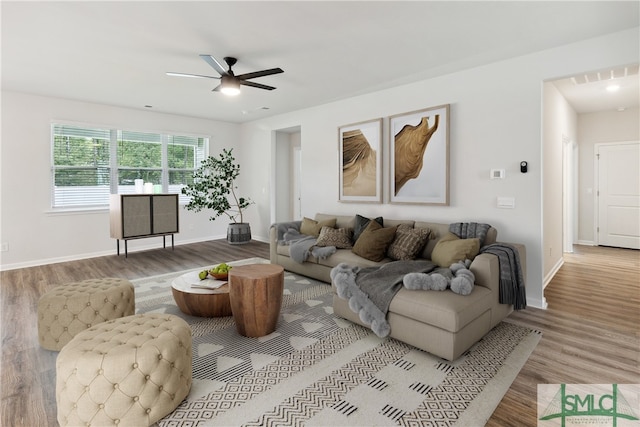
89 163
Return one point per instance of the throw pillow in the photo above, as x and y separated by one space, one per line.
361 223
338 237
312 227
373 242
408 242
451 249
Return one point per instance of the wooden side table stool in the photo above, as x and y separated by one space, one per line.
255 292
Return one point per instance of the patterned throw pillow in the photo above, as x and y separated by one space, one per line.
312 227
338 237
408 242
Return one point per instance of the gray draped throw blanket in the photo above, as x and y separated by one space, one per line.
283 227
370 290
512 287
303 245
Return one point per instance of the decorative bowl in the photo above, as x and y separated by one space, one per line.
219 276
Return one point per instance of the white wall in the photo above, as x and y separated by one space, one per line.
595 128
559 120
34 234
496 121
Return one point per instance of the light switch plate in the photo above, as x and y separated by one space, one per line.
506 202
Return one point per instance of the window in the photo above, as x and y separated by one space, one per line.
88 164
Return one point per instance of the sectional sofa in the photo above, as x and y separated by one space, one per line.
443 323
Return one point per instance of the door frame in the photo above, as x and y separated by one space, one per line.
570 158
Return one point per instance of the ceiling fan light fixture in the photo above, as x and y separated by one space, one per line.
230 86
613 88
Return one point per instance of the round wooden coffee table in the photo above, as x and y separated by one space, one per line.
198 301
256 298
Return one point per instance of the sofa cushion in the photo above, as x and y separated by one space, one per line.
361 222
342 221
312 227
374 241
408 242
338 237
444 309
348 257
395 222
451 249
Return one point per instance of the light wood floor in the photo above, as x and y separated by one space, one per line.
591 331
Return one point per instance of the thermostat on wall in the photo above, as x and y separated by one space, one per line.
497 173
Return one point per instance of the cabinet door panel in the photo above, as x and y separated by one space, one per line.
165 214
136 211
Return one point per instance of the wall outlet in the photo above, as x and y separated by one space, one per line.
4 247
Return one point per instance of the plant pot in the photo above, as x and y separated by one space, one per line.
239 233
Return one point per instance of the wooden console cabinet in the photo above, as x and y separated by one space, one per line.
136 216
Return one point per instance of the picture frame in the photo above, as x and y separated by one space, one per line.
419 156
360 162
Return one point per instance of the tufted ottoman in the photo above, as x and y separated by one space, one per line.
68 309
130 371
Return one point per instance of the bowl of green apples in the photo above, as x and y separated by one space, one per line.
220 271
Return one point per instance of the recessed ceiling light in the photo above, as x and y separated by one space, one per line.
613 88
620 109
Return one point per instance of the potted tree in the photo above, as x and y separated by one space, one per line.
213 188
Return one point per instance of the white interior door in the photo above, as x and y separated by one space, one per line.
618 173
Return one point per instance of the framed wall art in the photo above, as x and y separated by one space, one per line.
360 162
419 156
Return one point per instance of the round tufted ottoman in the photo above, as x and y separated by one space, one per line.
130 371
68 309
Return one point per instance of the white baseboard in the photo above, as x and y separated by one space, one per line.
536 303
554 270
77 257
586 243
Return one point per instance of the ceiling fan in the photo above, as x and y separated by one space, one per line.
230 83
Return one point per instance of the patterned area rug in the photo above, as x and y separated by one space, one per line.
317 369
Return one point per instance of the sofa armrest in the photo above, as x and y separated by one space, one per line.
274 231
486 268
273 243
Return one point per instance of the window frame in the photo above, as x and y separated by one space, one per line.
166 138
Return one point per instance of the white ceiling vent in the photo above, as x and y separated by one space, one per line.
605 75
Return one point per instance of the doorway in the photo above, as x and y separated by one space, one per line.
286 162
570 193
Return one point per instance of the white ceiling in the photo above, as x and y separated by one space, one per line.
117 53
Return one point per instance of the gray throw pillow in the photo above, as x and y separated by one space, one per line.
361 223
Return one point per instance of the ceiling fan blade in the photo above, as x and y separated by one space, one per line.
172 74
260 73
258 85
217 88
214 63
